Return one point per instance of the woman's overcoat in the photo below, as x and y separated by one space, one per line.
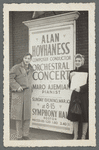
20 101
83 97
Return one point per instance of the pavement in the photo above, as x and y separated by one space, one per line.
38 134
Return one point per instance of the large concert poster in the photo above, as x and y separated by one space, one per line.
53 53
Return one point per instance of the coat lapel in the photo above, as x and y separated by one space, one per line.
22 69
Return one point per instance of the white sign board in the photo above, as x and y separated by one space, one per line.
52 61
53 50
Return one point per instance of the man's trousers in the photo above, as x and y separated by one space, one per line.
22 128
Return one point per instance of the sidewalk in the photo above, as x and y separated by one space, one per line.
38 134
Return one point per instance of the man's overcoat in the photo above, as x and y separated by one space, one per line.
20 101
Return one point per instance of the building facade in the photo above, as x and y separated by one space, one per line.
18 34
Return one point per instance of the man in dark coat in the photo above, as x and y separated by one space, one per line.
20 83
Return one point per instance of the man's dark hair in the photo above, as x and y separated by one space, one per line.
27 55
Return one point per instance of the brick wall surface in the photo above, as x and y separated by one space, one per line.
82 35
19 34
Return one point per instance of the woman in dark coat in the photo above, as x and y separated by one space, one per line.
80 96
20 83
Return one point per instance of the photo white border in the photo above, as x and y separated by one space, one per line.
90 7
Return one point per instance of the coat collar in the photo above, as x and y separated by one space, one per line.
24 66
80 68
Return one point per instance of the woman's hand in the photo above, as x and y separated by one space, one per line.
72 74
77 89
20 89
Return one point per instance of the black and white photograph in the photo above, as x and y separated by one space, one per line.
49 75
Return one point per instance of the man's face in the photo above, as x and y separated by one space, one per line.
26 59
78 62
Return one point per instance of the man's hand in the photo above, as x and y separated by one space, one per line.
20 89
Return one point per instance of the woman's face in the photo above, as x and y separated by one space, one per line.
78 62
26 59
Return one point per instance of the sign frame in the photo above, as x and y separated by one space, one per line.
49 24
